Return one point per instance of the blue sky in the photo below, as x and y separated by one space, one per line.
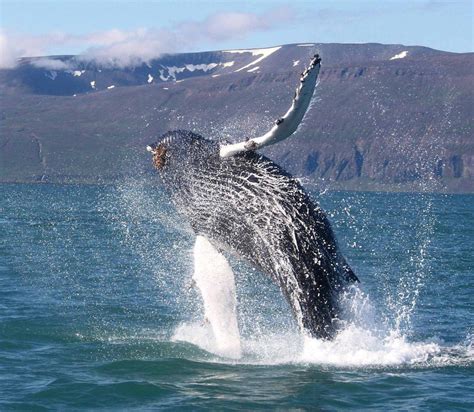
30 27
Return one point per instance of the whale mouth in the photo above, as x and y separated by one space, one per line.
159 154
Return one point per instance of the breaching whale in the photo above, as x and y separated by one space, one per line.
240 201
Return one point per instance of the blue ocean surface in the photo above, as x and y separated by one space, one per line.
98 311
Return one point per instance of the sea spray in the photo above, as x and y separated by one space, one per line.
371 334
149 228
364 340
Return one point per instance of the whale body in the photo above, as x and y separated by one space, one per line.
248 205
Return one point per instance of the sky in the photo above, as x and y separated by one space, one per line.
124 32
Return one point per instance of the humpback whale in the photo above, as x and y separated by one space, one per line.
240 201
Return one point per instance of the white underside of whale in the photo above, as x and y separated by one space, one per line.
214 278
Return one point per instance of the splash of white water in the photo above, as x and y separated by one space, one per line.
365 340
362 342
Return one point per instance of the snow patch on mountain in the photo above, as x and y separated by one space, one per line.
253 70
162 76
174 70
150 78
263 53
401 55
52 74
203 67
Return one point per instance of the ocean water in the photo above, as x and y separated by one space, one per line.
98 311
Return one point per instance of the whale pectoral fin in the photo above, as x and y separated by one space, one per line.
350 275
215 280
285 126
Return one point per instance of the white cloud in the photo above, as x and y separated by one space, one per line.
126 49
223 26
120 48
14 45
228 25
50 64
8 55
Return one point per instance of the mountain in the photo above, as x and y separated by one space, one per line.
384 117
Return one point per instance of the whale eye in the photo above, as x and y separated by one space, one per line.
159 155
